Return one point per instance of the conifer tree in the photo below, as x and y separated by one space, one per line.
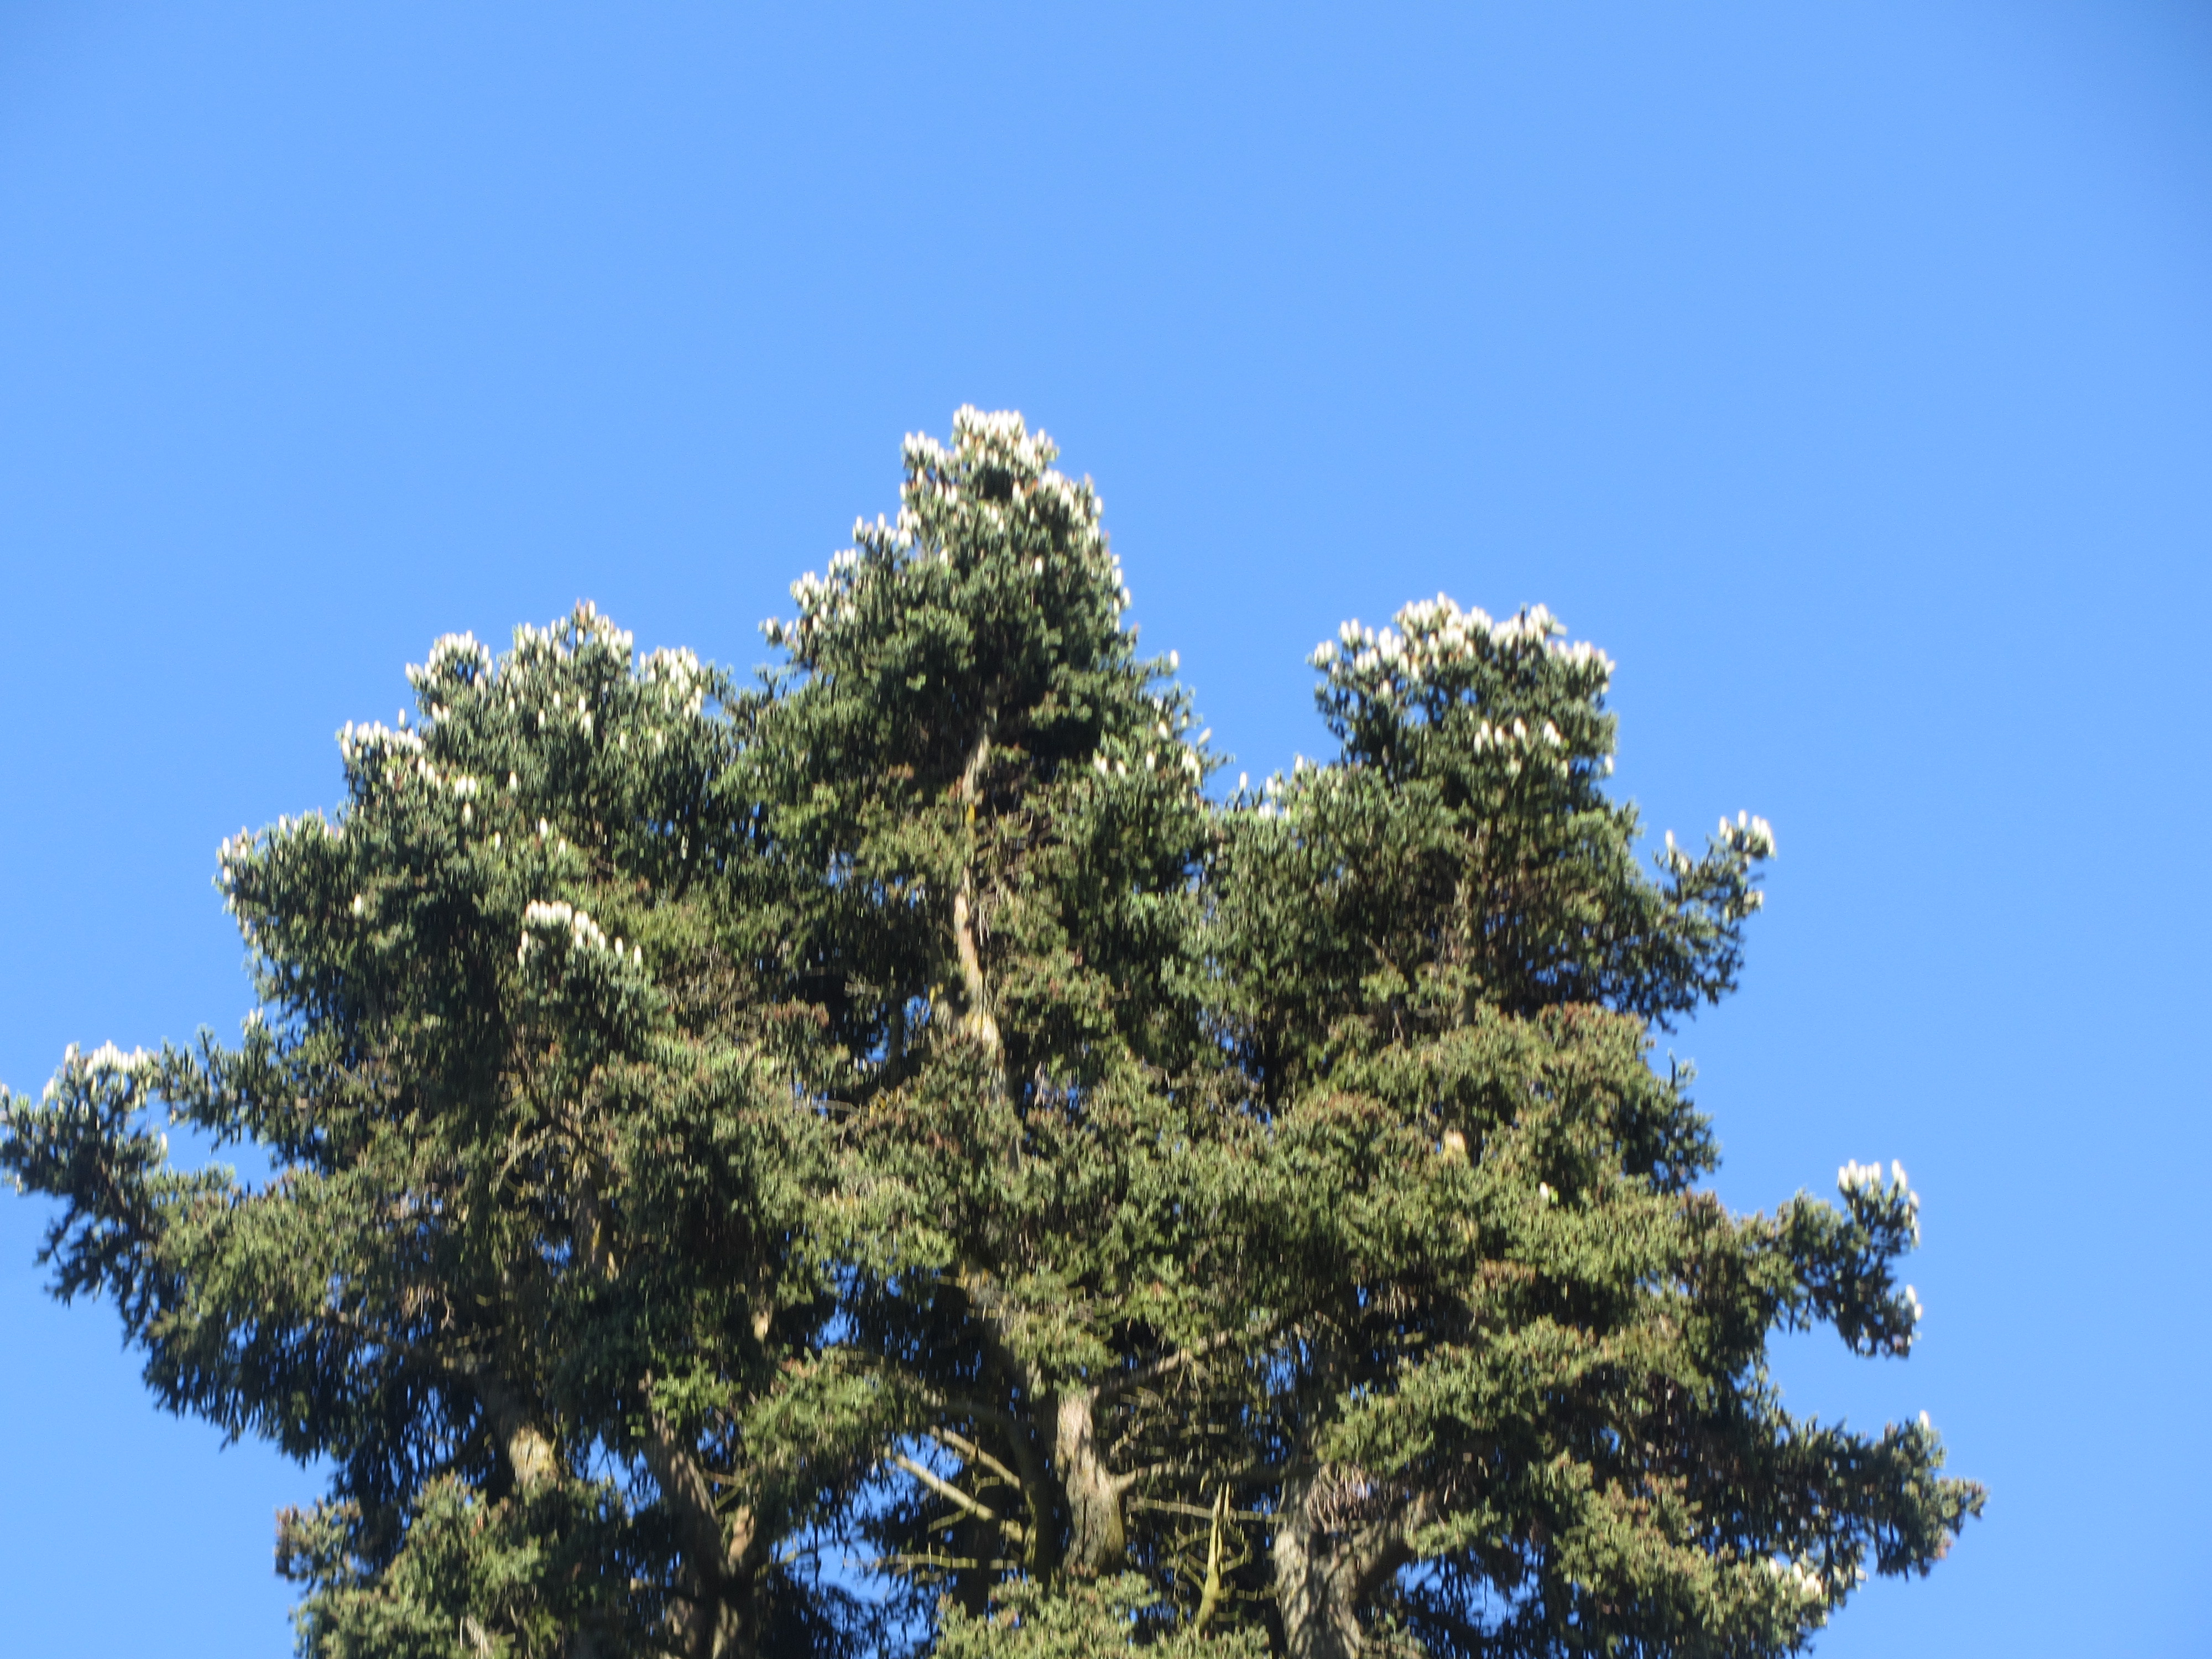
1520 1405
1008 950
891 1118
535 1271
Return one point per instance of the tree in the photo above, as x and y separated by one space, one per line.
892 1113
1520 1404
1008 954
535 1273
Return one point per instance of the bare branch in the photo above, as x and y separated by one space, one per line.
974 1453
952 1494
942 1563
1210 1597
1198 1512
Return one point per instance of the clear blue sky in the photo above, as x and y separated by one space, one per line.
1845 370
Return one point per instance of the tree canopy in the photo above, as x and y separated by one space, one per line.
879 1159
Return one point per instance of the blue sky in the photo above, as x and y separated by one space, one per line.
1845 372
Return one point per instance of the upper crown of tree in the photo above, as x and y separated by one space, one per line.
881 1160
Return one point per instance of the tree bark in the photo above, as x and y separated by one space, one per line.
976 1018
716 1561
1096 1540
1077 1487
1324 1573
532 1457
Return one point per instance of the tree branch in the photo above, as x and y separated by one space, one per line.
1114 1387
974 1453
1198 1512
976 1019
1210 1598
952 1494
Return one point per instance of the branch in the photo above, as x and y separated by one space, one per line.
1210 1598
983 1411
1170 1506
1114 1387
977 1017
952 1494
461 1368
974 1453
1249 1474
698 1525
943 1563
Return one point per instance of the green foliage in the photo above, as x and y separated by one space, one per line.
1087 1617
892 1117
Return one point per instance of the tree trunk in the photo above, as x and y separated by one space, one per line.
531 1458
738 1633
1096 1542
720 1624
1324 1574
975 1017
